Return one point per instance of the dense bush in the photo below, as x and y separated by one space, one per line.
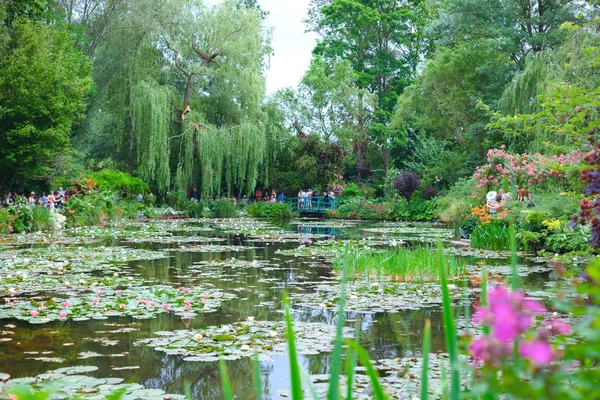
6 220
23 218
119 182
568 240
351 190
406 184
198 209
275 211
178 200
80 212
224 209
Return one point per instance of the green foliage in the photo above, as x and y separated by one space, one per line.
400 264
351 190
198 209
567 240
417 210
177 200
41 219
119 182
81 212
492 236
23 217
279 212
44 81
6 220
224 209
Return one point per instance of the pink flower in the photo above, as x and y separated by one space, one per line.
228 295
536 351
557 327
42 307
62 315
99 292
187 307
217 297
96 300
152 303
65 304
165 307
187 302
34 313
118 293
121 306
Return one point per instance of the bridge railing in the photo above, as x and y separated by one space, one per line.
313 204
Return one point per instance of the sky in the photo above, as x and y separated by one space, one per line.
292 46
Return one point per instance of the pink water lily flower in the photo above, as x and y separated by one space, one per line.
62 315
96 300
121 306
99 292
165 307
34 313
65 304
152 303
42 307
187 302
118 293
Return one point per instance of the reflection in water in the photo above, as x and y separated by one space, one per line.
109 344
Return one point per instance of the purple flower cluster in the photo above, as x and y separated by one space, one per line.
509 315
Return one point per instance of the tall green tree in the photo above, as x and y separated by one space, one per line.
44 82
384 40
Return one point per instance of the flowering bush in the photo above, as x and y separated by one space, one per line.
523 170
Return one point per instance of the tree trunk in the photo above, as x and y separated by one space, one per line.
189 90
385 153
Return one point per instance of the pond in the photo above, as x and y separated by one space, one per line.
226 274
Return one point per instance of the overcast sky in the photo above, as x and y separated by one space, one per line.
291 45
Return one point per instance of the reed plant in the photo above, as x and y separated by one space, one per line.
399 264
490 236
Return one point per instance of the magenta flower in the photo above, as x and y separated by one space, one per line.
536 351
557 327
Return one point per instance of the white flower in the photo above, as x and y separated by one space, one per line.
376 284
116 274
82 282
198 336
67 283
12 290
250 319
272 333
322 305
244 347
130 279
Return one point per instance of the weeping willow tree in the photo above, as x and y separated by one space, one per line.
545 108
227 160
572 63
151 113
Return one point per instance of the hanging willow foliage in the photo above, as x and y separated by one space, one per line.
222 161
152 112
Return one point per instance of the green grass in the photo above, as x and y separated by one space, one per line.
492 236
401 264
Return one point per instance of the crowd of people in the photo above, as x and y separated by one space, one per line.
309 199
54 200
497 202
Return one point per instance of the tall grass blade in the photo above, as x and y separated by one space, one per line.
311 386
425 354
336 355
188 391
351 359
225 382
294 367
513 257
365 360
256 377
449 327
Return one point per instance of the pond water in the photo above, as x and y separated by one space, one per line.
253 261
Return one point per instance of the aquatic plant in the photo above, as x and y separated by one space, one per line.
399 264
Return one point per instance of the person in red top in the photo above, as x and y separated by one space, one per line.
258 195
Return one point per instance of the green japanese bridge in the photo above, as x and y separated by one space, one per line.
313 205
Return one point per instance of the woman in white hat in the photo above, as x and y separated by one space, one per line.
492 204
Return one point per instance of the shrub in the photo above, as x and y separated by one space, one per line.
23 218
568 240
224 209
119 182
406 184
80 212
417 210
178 200
351 190
6 220
198 209
258 209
